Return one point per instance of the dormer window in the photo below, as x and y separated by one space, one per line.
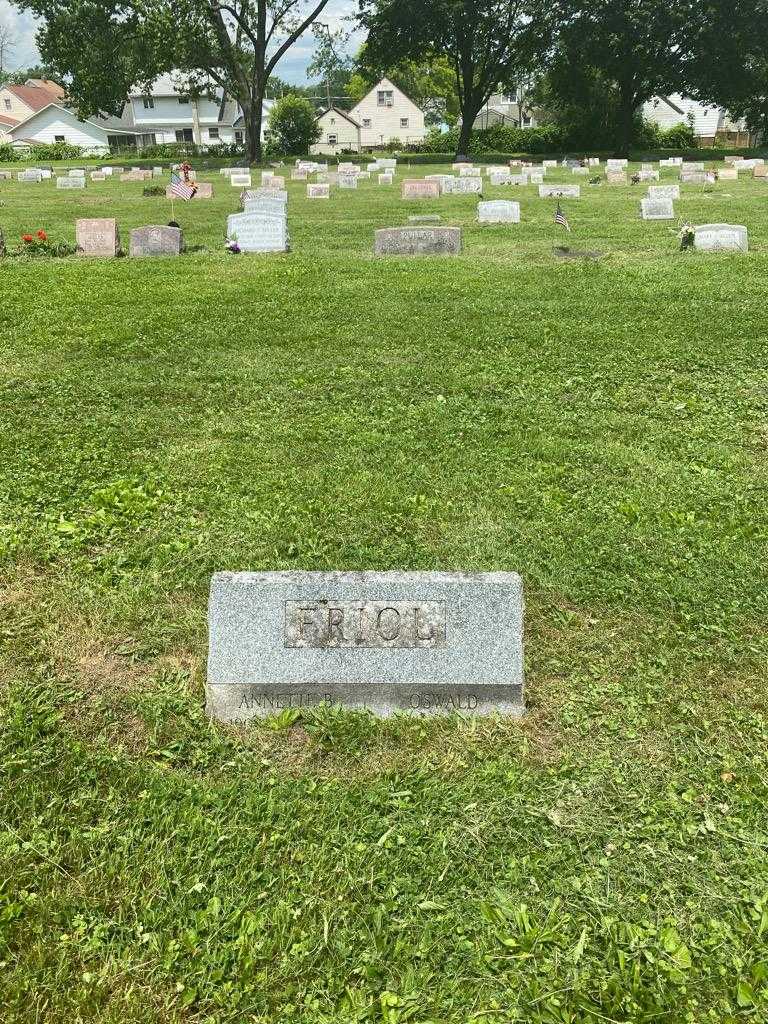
148 102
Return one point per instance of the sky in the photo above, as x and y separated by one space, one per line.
292 68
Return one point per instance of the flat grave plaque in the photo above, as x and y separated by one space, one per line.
423 642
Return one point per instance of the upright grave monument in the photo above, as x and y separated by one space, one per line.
259 230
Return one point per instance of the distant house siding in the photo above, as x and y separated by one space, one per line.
382 124
12 106
49 124
334 126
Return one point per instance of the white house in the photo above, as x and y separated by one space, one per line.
165 113
56 123
17 102
710 123
339 132
387 115
509 108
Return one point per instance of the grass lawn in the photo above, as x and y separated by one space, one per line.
601 428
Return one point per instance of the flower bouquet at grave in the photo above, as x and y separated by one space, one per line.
40 245
232 246
635 179
687 236
597 180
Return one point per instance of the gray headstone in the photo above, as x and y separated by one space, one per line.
567 191
272 205
76 172
418 242
386 641
425 218
268 193
318 191
657 209
465 185
156 240
498 211
693 177
259 230
721 238
70 182
663 191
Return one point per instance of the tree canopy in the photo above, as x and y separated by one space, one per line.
233 46
487 43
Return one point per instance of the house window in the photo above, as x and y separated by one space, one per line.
149 103
366 122
403 122
385 97
213 133
333 140
526 121
333 120
509 97
7 104
59 138
239 137
184 100
184 135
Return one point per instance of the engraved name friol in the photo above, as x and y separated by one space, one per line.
364 624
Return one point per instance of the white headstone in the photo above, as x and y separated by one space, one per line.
498 211
259 231
721 238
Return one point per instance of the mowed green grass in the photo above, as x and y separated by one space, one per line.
601 428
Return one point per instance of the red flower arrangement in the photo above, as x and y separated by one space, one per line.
42 236
27 238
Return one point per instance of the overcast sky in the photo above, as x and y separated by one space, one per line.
292 68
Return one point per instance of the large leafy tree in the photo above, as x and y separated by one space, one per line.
105 47
636 49
728 61
488 43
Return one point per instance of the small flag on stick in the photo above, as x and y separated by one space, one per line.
182 189
560 218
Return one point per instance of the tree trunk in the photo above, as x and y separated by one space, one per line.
470 109
626 120
253 131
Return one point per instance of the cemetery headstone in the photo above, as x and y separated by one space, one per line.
76 172
97 236
663 191
259 230
466 185
693 177
425 218
498 211
315 191
298 175
98 176
428 642
657 209
721 238
347 181
70 182
386 178
728 174
560 191
156 240
417 241
240 180
419 188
